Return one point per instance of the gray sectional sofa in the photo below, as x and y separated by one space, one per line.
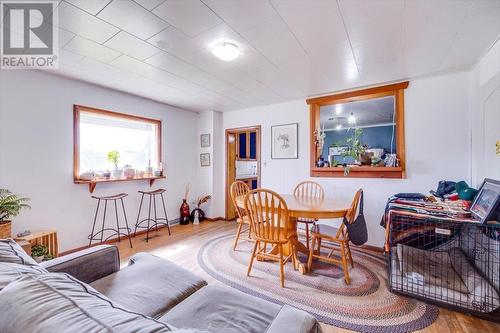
87 292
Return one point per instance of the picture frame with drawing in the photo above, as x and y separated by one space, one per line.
205 140
284 141
205 160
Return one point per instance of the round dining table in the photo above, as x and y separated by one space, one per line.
305 207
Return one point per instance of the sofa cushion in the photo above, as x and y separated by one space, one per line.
223 310
57 302
292 320
12 252
149 285
10 272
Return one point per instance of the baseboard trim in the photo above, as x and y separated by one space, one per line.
213 219
113 240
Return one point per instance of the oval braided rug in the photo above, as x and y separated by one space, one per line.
366 305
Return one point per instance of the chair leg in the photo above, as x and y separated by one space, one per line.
240 225
252 257
117 223
95 220
126 223
307 236
138 216
104 219
149 220
165 212
311 254
250 231
282 269
349 254
344 263
156 216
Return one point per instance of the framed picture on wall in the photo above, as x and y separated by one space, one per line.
205 140
205 160
284 141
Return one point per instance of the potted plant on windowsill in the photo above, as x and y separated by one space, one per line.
10 206
114 158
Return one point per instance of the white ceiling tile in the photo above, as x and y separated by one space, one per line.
149 4
132 46
476 35
289 48
277 44
133 18
97 68
83 24
365 20
64 37
174 41
180 14
91 6
176 66
91 49
242 14
69 58
131 65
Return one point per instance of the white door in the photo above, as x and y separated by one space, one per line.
491 163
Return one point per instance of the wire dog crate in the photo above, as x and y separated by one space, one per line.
454 264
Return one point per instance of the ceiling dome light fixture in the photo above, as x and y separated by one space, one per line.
226 51
351 119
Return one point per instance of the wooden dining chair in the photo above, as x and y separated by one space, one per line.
268 214
304 190
338 236
239 188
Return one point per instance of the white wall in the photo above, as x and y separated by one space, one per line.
485 115
205 174
36 151
437 146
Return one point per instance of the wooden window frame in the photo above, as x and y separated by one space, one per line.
77 109
396 90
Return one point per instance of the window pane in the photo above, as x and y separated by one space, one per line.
243 145
134 140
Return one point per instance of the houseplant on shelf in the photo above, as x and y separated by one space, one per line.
114 158
10 206
352 147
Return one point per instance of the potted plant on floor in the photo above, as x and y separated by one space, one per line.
114 158
40 253
10 206
198 214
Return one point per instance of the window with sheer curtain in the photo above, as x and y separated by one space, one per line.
97 133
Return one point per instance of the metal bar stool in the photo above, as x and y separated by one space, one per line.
99 235
152 223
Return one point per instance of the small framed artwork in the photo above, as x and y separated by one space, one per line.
205 140
205 159
486 201
284 143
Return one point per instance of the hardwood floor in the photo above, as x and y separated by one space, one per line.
182 248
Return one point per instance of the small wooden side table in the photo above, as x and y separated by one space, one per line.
47 238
